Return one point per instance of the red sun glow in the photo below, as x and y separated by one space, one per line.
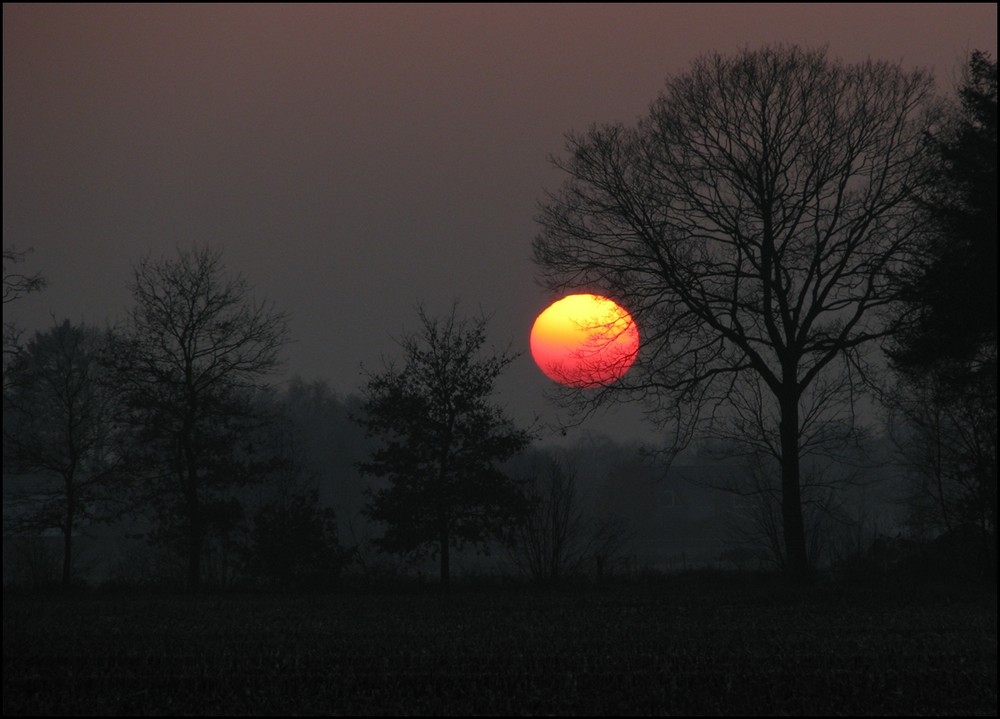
584 341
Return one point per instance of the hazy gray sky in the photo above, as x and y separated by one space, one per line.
352 160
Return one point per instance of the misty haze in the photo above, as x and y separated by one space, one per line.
487 359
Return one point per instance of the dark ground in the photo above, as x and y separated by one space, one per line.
683 645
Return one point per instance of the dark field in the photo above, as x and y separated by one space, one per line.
676 647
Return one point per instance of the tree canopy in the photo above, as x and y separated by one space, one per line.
946 353
951 293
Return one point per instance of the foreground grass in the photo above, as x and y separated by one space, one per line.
674 648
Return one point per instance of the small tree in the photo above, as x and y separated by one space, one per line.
58 435
442 443
555 536
196 348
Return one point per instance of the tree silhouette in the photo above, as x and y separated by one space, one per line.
952 291
442 443
59 435
946 354
196 347
293 542
555 536
751 224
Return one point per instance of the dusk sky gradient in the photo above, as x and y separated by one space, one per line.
352 160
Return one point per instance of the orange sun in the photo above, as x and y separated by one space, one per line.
584 341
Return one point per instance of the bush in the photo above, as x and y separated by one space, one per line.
293 544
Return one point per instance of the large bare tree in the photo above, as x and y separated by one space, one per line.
751 223
198 343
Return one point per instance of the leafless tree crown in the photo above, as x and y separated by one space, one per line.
752 220
195 326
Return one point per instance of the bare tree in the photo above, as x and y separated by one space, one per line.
197 345
751 224
556 536
59 436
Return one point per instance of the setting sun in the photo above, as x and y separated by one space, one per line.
584 341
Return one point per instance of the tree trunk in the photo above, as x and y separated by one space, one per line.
194 555
189 478
67 567
445 576
196 535
67 573
797 567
